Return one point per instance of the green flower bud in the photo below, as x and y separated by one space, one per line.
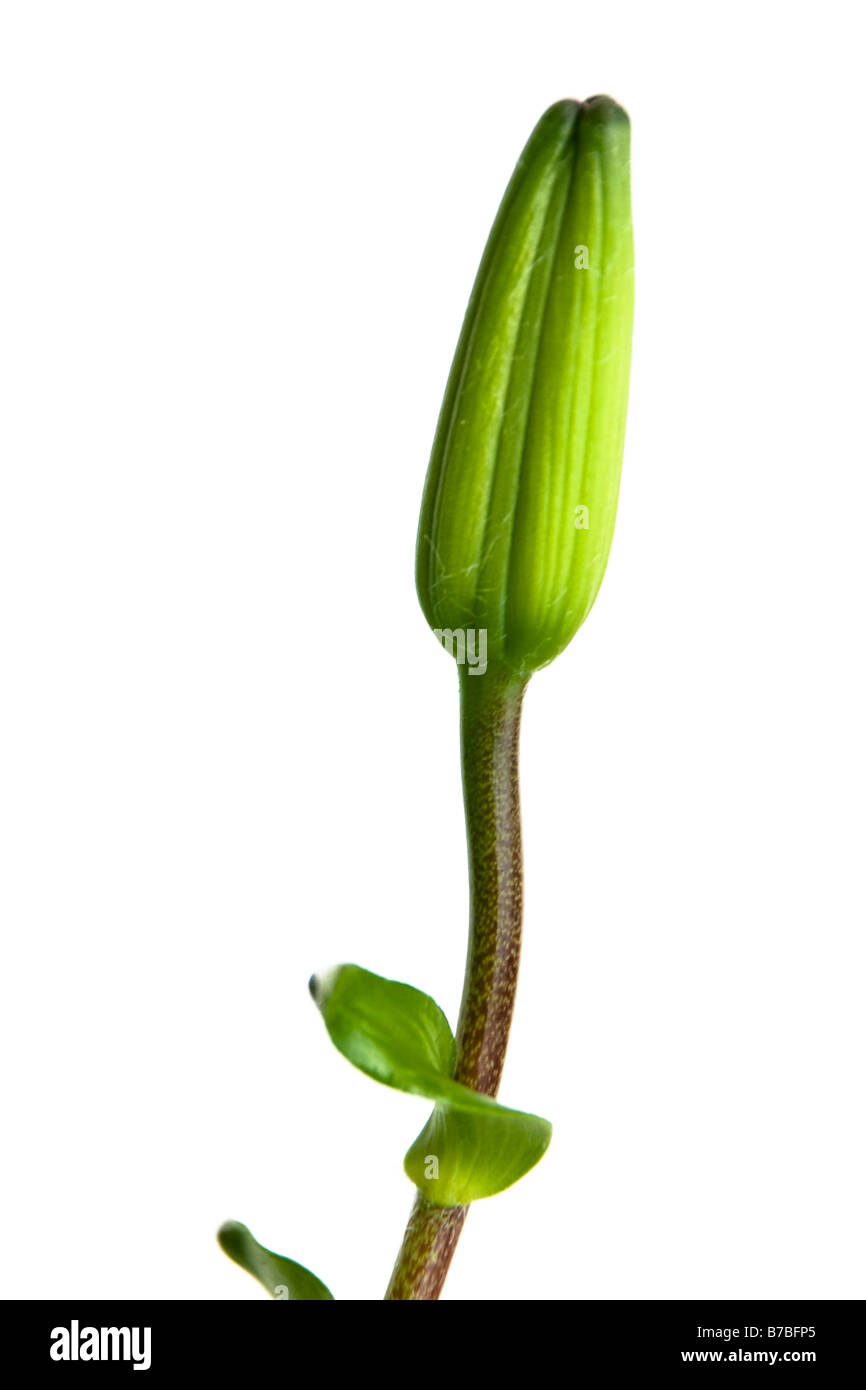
520 499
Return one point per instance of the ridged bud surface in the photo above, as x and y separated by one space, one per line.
520 499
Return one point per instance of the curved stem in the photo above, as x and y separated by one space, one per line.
490 706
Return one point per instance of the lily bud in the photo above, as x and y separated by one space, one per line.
521 492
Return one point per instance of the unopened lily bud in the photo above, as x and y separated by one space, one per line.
521 493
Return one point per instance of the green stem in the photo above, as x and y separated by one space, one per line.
490 707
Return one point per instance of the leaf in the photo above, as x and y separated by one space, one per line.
460 1157
399 1036
284 1279
390 1031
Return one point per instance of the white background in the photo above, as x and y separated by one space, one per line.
237 244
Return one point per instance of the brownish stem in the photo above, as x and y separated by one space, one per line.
425 1254
490 707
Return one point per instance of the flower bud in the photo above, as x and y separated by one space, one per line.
521 492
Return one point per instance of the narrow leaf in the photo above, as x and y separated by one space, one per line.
284 1279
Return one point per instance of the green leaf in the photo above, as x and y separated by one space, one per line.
472 1147
392 1032
461 1156
284 1279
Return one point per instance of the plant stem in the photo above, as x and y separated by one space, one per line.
490 707
489 739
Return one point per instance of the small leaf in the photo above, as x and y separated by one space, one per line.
471 1147
284 1279
390 1031
460 1157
